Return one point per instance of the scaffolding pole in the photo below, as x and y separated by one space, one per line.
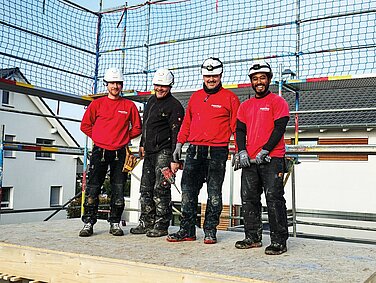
2 130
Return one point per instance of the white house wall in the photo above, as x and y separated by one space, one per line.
337 185
32 178
318 186
347 186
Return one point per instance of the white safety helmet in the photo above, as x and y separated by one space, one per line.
163 77
113 75
260 67
212 66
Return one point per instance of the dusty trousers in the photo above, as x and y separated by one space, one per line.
267 178
100 160
203 164
155 199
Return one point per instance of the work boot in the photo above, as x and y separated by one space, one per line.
248 243
140 229
276 249
156 232
87 230
115 229
210 237
180 236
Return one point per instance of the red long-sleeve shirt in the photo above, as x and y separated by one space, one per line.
110 123
259 115
210 118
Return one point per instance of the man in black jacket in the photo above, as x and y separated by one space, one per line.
162 119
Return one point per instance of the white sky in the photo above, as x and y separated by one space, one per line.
94 4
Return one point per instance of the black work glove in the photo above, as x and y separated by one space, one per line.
236 161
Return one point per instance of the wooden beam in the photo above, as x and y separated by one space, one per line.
55 266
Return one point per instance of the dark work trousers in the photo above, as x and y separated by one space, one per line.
203 164
99 162
155 199
266 177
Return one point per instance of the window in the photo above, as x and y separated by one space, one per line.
9 153
6 98
7 198
56 196
41 154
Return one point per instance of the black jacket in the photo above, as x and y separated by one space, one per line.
161 123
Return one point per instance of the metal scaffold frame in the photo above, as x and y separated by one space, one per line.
142 93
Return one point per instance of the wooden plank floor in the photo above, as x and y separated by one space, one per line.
52 252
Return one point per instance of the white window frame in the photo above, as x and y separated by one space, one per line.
10 98
9 153
9 203
44 155
59 194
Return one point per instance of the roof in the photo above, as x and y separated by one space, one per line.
12 74
351 94
331 99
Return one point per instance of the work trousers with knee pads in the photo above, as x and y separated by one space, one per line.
155 198
203 164
100 160
267 178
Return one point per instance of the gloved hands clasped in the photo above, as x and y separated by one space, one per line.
241 159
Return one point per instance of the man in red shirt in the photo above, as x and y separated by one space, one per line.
209 122
261 124
111 122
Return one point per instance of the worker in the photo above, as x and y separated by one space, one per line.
162 118
111 122
209 122
261 124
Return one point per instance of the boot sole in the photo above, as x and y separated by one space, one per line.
210 242
88 235
190 239
275 252
244 247
115 234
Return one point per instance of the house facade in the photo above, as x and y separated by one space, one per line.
33 180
